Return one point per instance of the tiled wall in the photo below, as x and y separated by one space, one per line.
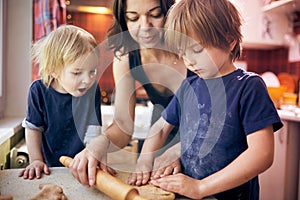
275 60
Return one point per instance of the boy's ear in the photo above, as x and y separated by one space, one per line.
231 41
232 44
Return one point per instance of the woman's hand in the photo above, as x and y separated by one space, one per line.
34 169
86 163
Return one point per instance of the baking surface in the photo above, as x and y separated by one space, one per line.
20 189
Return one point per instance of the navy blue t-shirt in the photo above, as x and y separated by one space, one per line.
214 118
66 122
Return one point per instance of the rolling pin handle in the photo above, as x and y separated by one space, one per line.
65 160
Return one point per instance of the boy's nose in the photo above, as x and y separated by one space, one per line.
87 79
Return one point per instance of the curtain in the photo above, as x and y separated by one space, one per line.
47 16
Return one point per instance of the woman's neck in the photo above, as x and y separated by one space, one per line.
153 55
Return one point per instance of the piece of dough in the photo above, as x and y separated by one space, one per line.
148 191
151 192
50 192
5 197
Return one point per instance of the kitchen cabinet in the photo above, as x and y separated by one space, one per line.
4 149
265 27
280 6
299 181
11 133
280 181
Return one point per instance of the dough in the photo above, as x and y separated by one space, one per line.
50 192
5 197
151 192
148 191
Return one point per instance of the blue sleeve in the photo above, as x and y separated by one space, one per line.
35 105
257 109
172 113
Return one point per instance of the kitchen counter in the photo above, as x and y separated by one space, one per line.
292 114
20 189
8 127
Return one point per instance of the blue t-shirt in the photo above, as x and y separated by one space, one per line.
66 122
214 118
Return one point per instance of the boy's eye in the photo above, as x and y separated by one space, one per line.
76 73
93 72
198 50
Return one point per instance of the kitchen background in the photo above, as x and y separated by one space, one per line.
271 32
266 46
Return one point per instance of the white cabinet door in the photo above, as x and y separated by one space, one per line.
280 181
272 181
261 30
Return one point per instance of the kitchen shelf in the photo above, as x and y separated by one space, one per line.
281 6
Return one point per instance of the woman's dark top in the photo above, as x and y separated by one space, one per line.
159 100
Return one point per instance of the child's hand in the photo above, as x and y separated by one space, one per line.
141 175
168 163
164 166
180 184
34 169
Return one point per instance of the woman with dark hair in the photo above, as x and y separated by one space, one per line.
136 37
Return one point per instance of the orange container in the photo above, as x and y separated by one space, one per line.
289 99
276 94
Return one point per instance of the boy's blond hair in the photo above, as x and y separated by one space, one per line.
61 47
216 23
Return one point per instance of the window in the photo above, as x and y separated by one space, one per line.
2 60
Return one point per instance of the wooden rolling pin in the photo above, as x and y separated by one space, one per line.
109 185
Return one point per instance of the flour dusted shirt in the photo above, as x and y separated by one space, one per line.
66 122
214 118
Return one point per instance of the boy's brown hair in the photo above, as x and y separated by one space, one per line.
217 23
